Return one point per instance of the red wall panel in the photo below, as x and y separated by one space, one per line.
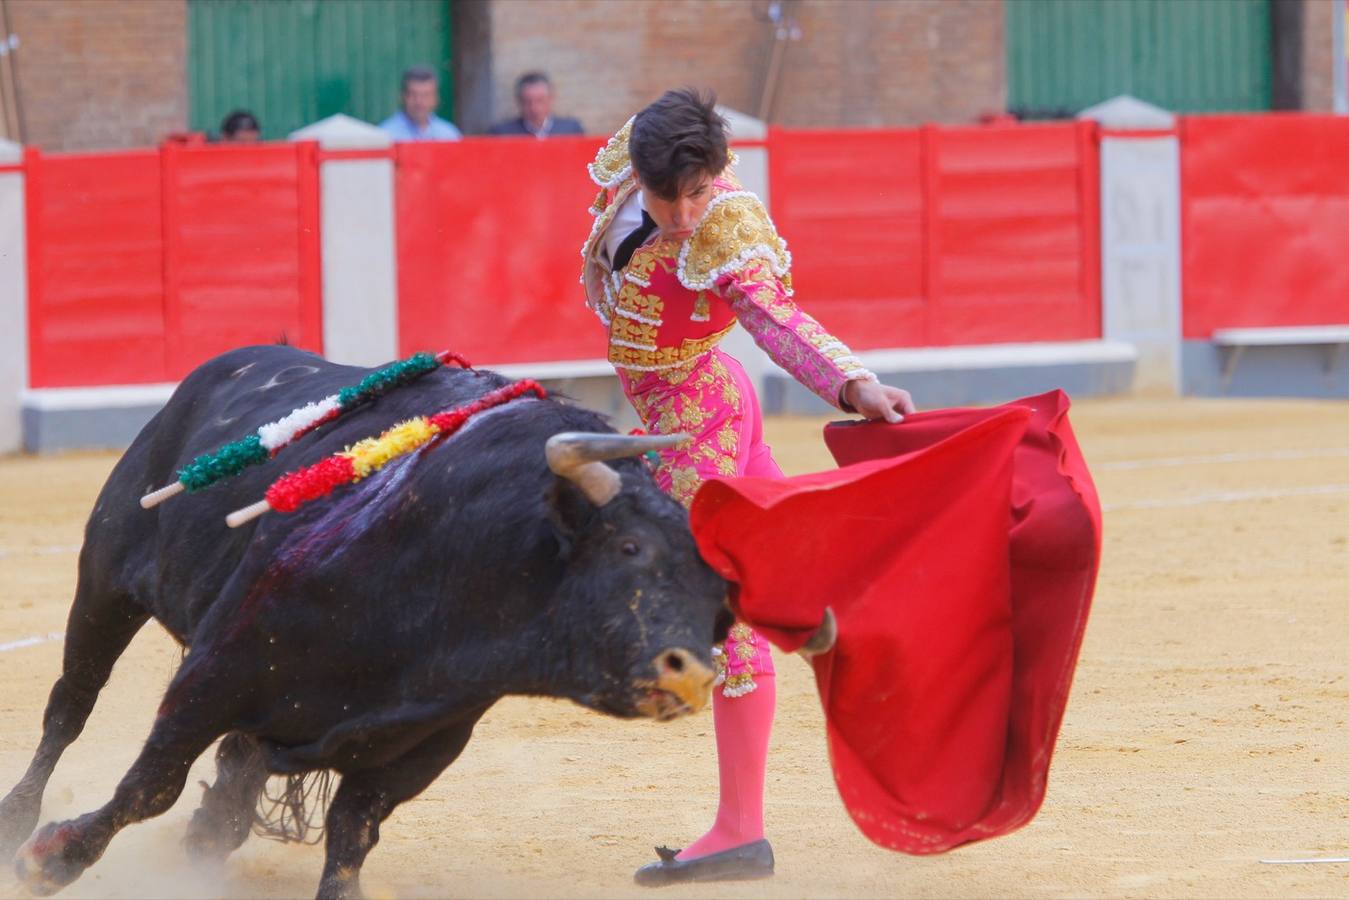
850 205
95 270
1013 234
241 232
143 264
489 234
1264 221
941 236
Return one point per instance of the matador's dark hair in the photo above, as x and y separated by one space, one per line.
677 140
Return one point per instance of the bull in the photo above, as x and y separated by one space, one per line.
365 634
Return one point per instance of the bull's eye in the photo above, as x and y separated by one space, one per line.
630 548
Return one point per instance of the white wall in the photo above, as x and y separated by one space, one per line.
13 299
360 275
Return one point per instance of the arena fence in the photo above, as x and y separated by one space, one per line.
142 264
1265 219
944 236
909 243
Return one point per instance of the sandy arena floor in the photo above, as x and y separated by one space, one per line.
1206 729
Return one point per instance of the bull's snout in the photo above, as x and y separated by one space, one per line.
683 685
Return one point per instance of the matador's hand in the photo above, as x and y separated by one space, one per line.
878 401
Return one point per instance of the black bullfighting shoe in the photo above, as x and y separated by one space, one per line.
743 863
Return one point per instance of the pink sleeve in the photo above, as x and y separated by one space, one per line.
793 339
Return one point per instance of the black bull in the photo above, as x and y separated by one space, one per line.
367 632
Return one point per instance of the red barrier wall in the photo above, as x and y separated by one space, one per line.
95 269
143 264
941 236
242 255
489 239
1264 221
851 207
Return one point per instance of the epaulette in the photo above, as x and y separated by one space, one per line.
734 230
612 163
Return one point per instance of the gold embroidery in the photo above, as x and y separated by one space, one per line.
668 422
730 394
739 685
684 483
677 375
731 233
612 163
632 298
595 276
663 357
634 332
702 310
693 415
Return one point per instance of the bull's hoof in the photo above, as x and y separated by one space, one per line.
211 841
44 864
344 884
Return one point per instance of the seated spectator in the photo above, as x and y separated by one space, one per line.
417 119
240 127
534 98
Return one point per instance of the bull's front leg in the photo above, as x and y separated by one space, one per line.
366 798
189 720
60 851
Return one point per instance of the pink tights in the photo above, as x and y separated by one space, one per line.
743 725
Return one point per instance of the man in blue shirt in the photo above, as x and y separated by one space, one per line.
417 120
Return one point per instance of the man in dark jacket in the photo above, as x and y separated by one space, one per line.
534 97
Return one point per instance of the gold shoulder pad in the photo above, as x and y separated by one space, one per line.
612 164
734 230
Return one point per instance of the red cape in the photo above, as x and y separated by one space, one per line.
958 551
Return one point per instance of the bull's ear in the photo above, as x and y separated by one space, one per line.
570 512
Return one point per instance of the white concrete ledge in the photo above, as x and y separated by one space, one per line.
1281 337
121 395
567 368
998 356
1232 342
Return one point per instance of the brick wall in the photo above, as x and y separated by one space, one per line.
95 75
857 63
1318 48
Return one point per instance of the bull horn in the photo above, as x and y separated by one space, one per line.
824 638
578 456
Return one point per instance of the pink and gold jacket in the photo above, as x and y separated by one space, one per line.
676 300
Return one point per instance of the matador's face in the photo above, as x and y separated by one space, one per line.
676 218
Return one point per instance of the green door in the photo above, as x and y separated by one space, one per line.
293 62
1182 55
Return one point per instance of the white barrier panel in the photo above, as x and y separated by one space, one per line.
13 298
360 276
1140 237
1140 254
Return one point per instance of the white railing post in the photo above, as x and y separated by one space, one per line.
360 274
1140 237
13 296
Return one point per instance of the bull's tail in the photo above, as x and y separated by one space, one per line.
291 809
